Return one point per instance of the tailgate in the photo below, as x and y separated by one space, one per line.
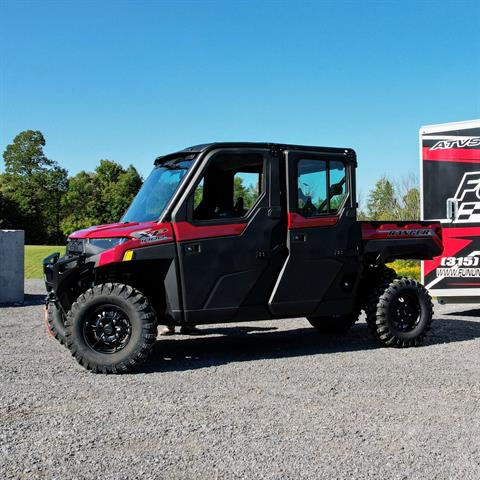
390 241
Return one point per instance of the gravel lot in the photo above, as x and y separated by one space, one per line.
267 400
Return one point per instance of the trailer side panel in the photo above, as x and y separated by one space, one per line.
450 169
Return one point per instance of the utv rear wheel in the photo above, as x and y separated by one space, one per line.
400 314
111 328
56 322
334 324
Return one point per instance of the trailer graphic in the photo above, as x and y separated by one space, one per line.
465 205
450 193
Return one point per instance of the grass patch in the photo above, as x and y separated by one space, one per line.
407 268
34 254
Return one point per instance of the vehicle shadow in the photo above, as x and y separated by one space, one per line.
222 345
466 313
239 344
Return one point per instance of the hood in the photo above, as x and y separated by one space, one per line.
113 230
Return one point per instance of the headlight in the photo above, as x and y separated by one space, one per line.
105 243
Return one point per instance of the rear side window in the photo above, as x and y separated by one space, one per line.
321 186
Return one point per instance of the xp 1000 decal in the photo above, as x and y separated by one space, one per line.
451 193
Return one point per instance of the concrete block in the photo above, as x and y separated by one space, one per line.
12 266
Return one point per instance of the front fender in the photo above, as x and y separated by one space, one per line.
65 277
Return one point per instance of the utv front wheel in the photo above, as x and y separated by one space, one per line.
334 324
400 314
111 328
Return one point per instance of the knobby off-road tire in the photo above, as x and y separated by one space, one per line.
335 324
399 313
56 322
111 328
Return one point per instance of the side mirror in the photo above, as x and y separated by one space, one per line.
336 189
452 208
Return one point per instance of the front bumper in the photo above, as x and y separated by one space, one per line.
60 273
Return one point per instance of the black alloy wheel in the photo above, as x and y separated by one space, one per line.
107 329
405 311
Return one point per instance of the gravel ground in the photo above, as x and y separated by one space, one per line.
269 400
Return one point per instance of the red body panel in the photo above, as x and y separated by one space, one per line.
185 231
139 235
115 230
158 233
295 220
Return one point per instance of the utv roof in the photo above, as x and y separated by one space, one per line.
196 149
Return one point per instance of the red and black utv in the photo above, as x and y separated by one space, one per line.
231 232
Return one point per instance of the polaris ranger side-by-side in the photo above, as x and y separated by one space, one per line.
232 232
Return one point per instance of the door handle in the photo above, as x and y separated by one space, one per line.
299 237
275 212
192 248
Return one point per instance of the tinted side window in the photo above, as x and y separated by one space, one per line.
312 187
321 186
338 185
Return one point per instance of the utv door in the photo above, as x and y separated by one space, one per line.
320 273
230 243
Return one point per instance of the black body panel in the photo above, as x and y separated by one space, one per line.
323 265
224 275
321 272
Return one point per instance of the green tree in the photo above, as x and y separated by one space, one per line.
249 194
99 197
411 205
80 203
408 194
33 185
117 187
381 202
8 212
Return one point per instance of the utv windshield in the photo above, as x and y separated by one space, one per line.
156 191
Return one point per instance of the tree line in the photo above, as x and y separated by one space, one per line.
38 196
392 200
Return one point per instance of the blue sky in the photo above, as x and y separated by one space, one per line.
131 80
